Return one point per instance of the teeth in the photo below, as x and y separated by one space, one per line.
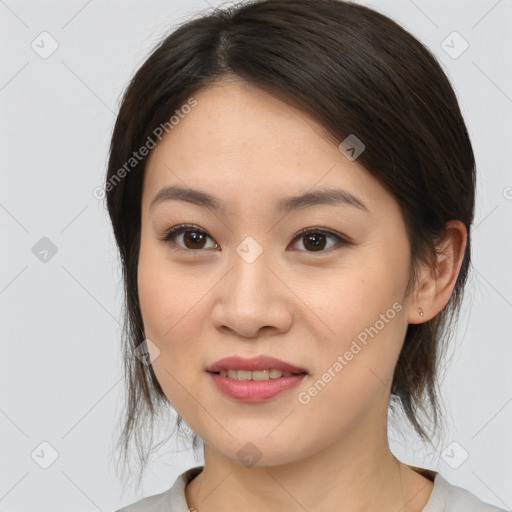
256 375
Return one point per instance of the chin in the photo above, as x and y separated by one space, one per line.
254 451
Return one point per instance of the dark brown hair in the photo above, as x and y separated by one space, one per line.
353 70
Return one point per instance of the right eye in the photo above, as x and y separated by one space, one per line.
192 236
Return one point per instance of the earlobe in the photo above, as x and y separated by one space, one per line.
437 286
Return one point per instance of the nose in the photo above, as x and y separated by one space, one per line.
253 300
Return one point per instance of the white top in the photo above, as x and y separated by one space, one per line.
445 497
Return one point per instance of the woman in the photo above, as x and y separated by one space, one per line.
291 186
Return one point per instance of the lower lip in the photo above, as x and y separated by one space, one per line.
255 390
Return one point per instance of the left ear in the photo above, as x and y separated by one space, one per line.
436 284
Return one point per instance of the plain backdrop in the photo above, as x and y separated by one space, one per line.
64 66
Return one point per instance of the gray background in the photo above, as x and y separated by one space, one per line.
61 379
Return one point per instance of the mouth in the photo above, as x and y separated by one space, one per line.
267 374
255 386
256 368
255 379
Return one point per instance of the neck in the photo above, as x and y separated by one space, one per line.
358 473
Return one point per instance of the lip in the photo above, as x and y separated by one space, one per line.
255 390
253 364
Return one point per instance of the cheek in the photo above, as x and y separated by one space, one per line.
165 294
354 298
363 325
356 363
170 322
154 293
160 307
171 318
172 303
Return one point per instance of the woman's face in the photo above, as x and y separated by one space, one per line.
251 287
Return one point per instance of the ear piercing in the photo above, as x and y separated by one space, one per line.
420 311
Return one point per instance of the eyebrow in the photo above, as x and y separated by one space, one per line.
336 197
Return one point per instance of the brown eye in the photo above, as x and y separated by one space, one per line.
193 238
315 239
196 239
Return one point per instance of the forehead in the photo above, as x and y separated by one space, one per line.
241 142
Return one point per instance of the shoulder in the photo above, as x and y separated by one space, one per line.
155 503
171 500
447 497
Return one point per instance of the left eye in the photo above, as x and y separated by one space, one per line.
315 237
312 238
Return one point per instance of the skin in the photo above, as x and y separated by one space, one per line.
250 149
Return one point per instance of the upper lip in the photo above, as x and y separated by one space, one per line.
255 363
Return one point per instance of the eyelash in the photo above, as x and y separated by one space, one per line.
182 228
